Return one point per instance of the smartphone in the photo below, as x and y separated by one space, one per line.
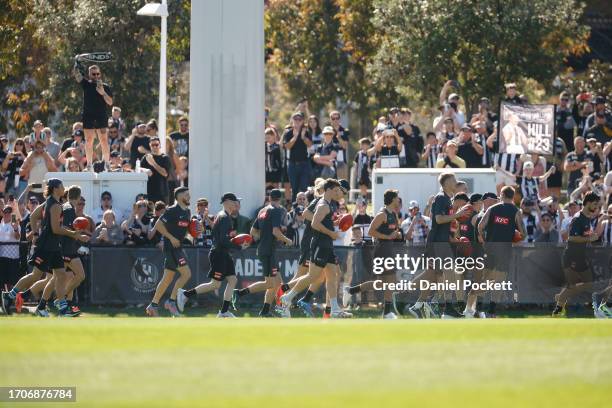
36 185
14 218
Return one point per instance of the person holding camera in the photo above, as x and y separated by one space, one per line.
97 97
451 103
137 226
108 231
576 161
388 148
450 159
11 166
35 167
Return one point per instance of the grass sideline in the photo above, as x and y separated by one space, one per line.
131 362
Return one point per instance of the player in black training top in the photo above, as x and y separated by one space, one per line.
438 247
384 229
173 226
221 261
267 230
322 254
47 257
97 97
70 247
496 231
576 265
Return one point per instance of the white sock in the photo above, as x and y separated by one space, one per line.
290 295
334 305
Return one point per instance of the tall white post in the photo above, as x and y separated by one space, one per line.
226 143
161 122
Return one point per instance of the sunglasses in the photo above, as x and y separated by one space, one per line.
564 99
95 74
336 118
155 145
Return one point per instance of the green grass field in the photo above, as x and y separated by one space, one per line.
206 362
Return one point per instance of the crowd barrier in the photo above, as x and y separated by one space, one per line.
129 275
122 275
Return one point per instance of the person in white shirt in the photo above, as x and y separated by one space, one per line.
9 254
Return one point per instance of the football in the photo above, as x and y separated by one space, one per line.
242 239
469 212
80 224
517 236
345 222
194 228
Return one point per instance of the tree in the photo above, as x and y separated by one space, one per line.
482 43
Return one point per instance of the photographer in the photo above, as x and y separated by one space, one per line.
451 104
137 226
11 166
35 167
450 159
108 231
97 97
326 154
388 148
295 220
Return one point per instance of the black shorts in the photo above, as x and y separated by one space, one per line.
304 257
269 265
69 258
439 250
385 249
221 265
94 122
46 261
498 256
174 258
322 256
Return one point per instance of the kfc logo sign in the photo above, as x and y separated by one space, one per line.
501 220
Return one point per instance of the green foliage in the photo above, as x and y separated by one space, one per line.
480 43
596 79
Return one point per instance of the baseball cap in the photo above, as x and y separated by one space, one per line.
33 199
600 99
54 182
466 127
484 99
475 197
394 109
344 185
413 204
78 132
453 96
114 153
380 127
489 195
297 115
275 194
7 209
230 197
106 194
328 129
528 165
510 85
591 139
37 122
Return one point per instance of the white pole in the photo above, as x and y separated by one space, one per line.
162 84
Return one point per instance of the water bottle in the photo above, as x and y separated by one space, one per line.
137 169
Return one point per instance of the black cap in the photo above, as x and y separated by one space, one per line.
54 182
106 194
466 127
344 185
114 153
7 209
489 195
394 109
275 194
475 197
230 197
180 190
600 100
33 199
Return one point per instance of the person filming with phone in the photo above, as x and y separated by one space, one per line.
97 98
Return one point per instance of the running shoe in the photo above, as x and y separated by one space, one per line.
469 314
170 306
603 308
429 311
181 299
283 311
306 308
326 315
341 314
152 311
417 312
346 296
390 316
227 314
18 302
41 312
285 301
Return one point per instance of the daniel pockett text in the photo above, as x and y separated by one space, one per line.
459 265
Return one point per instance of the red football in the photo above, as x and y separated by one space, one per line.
80 224
345 222
464 248
517 236
194 228
242 239
468 214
